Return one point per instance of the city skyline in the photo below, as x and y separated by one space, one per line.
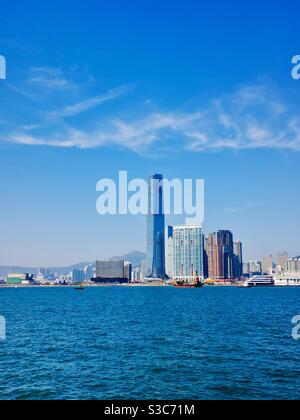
147 93
187 256
236 246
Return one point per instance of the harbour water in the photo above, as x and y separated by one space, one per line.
149 343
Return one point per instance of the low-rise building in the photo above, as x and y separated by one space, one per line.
18 279
113 272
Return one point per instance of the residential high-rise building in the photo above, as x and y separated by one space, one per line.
220 255
156 229
267 264
188 253
238 259
78 276
137 276
128 270
214 257
246 269
89 271
170 252
205 257
255 267
293 265
282 259
42 271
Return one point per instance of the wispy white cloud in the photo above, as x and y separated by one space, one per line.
252 117
50 78
233 209
239 208
44 82
87 104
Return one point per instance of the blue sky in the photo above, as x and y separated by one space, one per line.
182 88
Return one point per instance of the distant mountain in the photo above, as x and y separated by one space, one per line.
136 258
4 270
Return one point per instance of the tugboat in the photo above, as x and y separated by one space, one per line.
197 284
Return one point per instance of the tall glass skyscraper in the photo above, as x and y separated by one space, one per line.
156 229
238 259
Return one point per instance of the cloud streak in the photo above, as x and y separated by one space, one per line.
86 105
50 78
252 117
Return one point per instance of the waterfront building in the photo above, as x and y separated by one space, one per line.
155 229
282 259
78 276
238 259
18 279
293 265
45 274
45 271
267 264
137 276
113 272
42 272
170 252
188 253
205 257
110 268
128 270
255 267
89 271
64 279
246 269
220 255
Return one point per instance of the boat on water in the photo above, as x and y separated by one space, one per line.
260 281
196 284
180 285
245 286
79 288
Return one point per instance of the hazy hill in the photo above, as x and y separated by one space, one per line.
136 258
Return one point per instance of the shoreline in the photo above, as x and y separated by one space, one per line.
126 285
72 286
140 285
